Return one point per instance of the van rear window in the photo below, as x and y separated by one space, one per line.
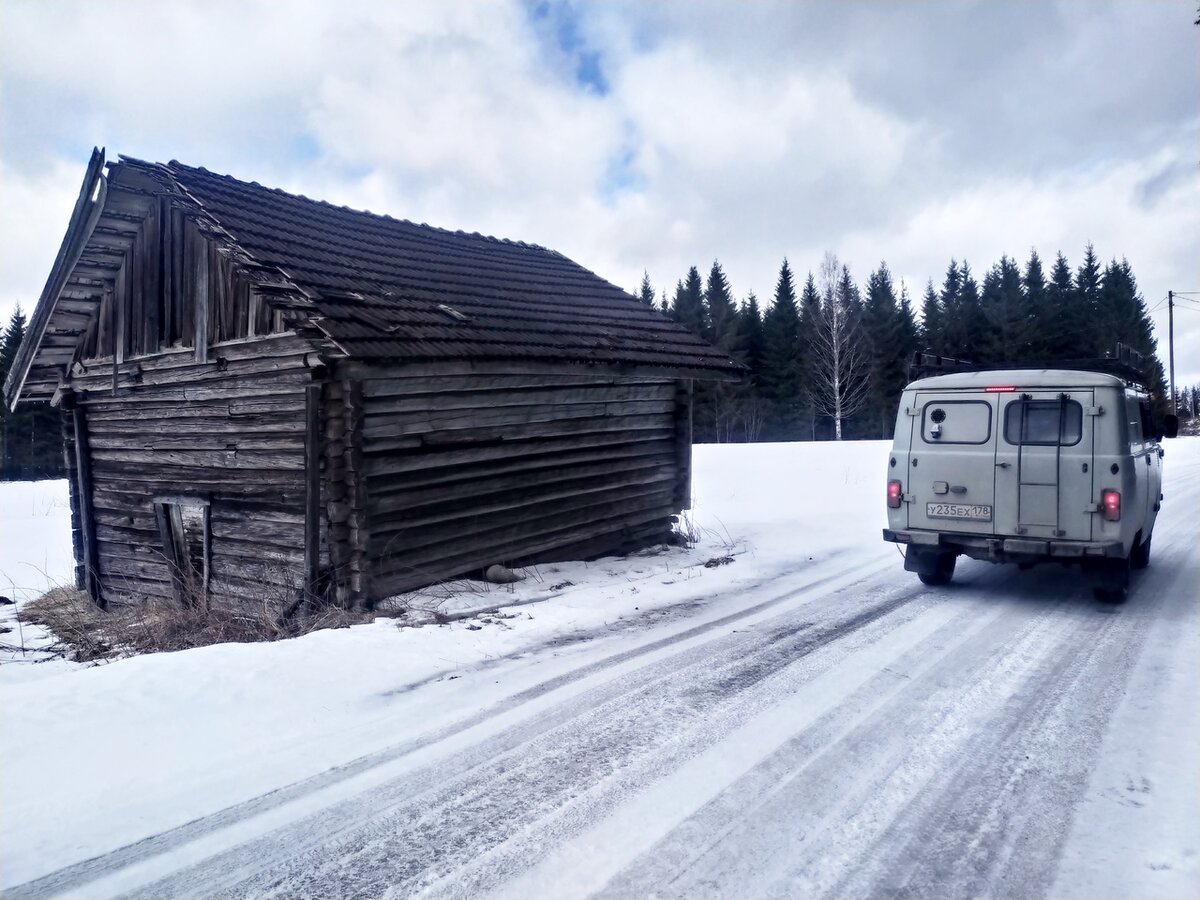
1046 423
957 422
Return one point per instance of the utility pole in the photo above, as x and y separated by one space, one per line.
1171 346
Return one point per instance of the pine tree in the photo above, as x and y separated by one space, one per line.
782 375
646 292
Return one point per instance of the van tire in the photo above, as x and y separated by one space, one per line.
941 573
1140 557
1110 580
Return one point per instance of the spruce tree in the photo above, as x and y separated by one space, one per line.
970 311
932 322
1088 307
1062 316
722 313
910 331
1004 311
888 365
751 328
782 374
1037 300
811 320
717 403
688 309
12 438
645 291
1125 319
954 326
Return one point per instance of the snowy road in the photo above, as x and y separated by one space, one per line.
839 731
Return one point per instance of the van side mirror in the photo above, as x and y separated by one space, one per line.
1170 426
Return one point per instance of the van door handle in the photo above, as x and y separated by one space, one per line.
1003 465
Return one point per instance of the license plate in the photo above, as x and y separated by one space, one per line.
976 513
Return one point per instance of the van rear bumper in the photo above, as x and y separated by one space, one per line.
998 548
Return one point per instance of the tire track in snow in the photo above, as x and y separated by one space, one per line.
824 772
405 837
91 870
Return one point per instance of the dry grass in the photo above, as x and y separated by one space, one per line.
85 632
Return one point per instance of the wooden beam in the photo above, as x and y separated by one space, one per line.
87 522
312 486
200 339
683 444
360 369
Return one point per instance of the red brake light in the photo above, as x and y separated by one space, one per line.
894 494
1110 501
999 389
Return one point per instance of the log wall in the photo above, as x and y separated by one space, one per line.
462 471
231 431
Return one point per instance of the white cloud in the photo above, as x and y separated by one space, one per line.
744 133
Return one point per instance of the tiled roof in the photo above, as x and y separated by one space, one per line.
393 290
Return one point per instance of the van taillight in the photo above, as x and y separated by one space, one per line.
894 494
1110 501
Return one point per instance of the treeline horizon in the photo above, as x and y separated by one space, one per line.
31 436
829 356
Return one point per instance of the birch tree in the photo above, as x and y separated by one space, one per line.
838 377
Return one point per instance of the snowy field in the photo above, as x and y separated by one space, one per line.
797 716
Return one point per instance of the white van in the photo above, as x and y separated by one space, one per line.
1026 466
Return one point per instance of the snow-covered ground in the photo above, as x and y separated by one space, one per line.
806 718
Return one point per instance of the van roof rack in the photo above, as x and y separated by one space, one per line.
1125 362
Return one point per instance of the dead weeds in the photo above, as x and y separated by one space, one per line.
86 632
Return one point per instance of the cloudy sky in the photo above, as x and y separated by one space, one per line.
639 136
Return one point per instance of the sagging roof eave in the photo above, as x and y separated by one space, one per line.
84 217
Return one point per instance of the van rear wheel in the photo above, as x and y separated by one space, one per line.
941 572
1140 557
1110 580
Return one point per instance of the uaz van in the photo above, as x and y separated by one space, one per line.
1027 466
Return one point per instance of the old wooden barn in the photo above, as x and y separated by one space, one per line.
262 391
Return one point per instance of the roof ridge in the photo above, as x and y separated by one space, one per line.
458 232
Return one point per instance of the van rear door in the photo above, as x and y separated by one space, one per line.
952 461
1044 463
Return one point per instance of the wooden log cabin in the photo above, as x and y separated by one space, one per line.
267 396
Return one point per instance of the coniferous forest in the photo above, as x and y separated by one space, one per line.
828 353
31 436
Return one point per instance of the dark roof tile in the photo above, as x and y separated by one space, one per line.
378 283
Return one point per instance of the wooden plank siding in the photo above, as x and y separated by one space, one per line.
462 471
232 431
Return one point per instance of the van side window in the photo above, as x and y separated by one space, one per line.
1043 423
957 422
1133 416
1147 417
